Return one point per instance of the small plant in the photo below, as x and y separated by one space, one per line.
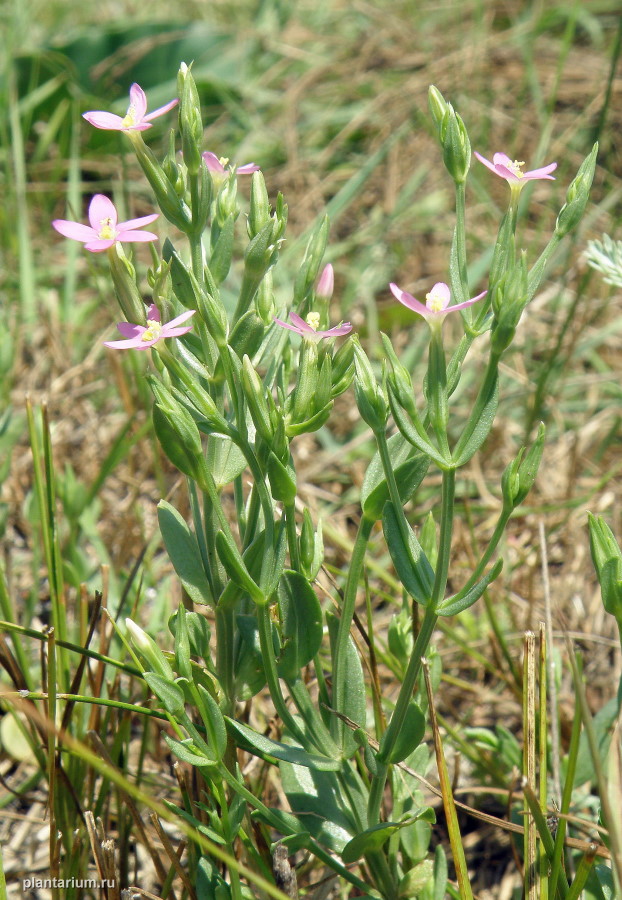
237 379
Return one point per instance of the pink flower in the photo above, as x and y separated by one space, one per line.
141 337
512 171
436 301
326 283
217 166
134 119
309 329
104 230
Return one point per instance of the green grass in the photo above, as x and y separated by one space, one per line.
331 99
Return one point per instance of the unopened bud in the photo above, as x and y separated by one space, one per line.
326 284
577 195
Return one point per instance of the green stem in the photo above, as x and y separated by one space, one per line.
428 625
292 537
340 670
272 676
460 241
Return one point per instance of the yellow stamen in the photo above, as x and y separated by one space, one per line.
152 332
106 230
435 301
130 117
517 168
313 319
224 160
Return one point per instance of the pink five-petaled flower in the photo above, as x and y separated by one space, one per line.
135 118
141 337
512 170
104 230
218 166
436 301
310 328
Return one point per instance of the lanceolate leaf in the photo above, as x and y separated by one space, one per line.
409 468
266 748
411 564
476 432
301 624
460 601
183 550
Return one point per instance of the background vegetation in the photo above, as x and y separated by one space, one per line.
330 98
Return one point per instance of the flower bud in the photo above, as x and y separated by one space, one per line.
170 203
369 397
126 289
190 122
437 106
149 651
518 478
607 559
326 284
456 145
259 212
255 393
577 195
307 274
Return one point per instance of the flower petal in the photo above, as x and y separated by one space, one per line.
107 121
337 331
179 319
137 223
99 245
168 332
129 330
501 159
247 169
136 236
74 230
486 162
135 343
300 323
160 110
213 163
543 172
287 325
138 101
410 301
465 303
102 208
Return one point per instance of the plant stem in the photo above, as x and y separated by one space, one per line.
340 671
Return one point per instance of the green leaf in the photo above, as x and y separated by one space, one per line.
220 260
409 472
371 839
463 599
354 702
476 433
411 564
320 800
415 880
183 550
267 749
198 632
234 564
229 461
409 737
214 722
282 479
301 624
168 692
186 751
